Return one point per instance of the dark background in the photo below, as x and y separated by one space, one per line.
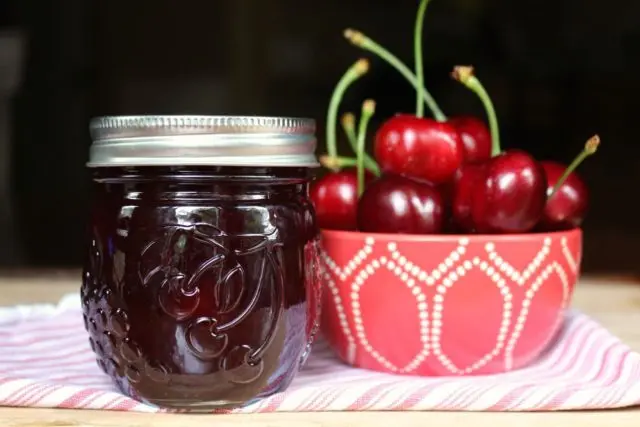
558 71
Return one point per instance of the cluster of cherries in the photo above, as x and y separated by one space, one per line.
440 175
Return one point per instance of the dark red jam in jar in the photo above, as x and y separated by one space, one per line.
200 287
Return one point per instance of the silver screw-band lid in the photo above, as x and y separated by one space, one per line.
202 141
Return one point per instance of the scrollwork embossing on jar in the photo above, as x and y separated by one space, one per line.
204 339
179 294
207 338
175 297
245 364
240 366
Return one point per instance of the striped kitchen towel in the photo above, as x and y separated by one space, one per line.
46 361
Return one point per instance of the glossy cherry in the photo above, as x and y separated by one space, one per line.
335 199
475 136
458 196
568 197
397 204
426 149
566 208
419 148
410 145
504 194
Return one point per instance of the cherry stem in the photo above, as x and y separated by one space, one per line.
334 164
466 76
359 68
590 148
368 110
349 125
358 39
417 51
348 122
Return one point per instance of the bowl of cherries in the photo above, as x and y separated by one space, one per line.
441 253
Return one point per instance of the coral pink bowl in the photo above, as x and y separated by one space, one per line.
445 305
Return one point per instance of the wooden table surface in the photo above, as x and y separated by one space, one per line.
613 302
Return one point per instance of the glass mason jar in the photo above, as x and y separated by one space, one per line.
200 287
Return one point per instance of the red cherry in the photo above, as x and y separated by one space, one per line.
475 137
397 204
419 148
566 208
504 194
460 195
567 195
507 194
335 199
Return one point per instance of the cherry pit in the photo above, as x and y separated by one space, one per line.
432 175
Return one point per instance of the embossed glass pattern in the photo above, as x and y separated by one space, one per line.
200 287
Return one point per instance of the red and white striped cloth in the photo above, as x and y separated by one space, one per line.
45 361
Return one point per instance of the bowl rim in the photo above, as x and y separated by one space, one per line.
358 235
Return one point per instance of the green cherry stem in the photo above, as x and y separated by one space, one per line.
348 121
417 53
590 148
336 163
358 39
359 68
466 76
368 110
349 125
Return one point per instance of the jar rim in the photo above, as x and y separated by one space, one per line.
160 140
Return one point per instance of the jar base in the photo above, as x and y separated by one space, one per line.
208 406
198 406
203 404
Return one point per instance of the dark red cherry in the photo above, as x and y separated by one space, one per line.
475 136
335 199
506 194
566 208
464 182
567 195
397 204
419 148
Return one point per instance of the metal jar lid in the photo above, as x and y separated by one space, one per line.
202 141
